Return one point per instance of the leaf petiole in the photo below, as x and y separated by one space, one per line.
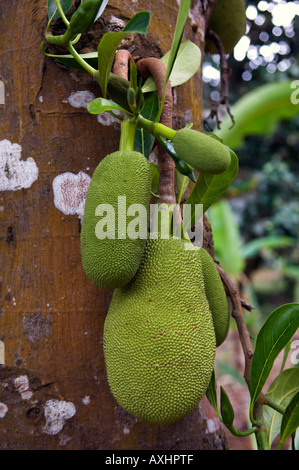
88 68
60 9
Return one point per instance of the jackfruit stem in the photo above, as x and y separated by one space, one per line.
127 134
156 128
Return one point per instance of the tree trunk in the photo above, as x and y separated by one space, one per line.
53 389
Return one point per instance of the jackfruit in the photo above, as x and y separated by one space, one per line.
159 340
228 21
216 296
204 153
110 257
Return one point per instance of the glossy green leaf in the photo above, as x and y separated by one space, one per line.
258 112
276 332
110 42
144 140
290 420
53 12
227 412
183 167
177 37
185 66
209 188
155 176
281 391
100 105
211 393
182 182
253 247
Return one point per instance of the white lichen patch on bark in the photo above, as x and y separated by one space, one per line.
21 384
15 173
70 192
81 99
118 22
56 413
2 353
3 410
106 119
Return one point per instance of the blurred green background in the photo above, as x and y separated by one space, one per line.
256 224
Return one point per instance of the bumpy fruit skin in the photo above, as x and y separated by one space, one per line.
108 262
228 20
216 296
159 340
202 152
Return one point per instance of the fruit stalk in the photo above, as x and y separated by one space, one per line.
127 134
166 165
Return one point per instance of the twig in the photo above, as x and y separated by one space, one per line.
224 72
121 63
238 316
166 165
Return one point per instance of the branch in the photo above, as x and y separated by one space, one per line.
238 316
224 73
166 165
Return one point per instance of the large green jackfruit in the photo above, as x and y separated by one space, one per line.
159 340
228 21
204 153
216 296
111 259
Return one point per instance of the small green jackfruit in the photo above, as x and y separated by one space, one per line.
110 257
216 296
159 340
228 21
202 152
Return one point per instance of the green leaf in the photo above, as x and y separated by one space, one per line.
155 176
227 240
226 408
144 140
177 37
100 105
290 270
182 182
209 188
185 66
277 330
110 42
290 420
53 12
67 59
253 247
258 112
211 393
281 391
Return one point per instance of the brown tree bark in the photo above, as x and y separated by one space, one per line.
53 389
